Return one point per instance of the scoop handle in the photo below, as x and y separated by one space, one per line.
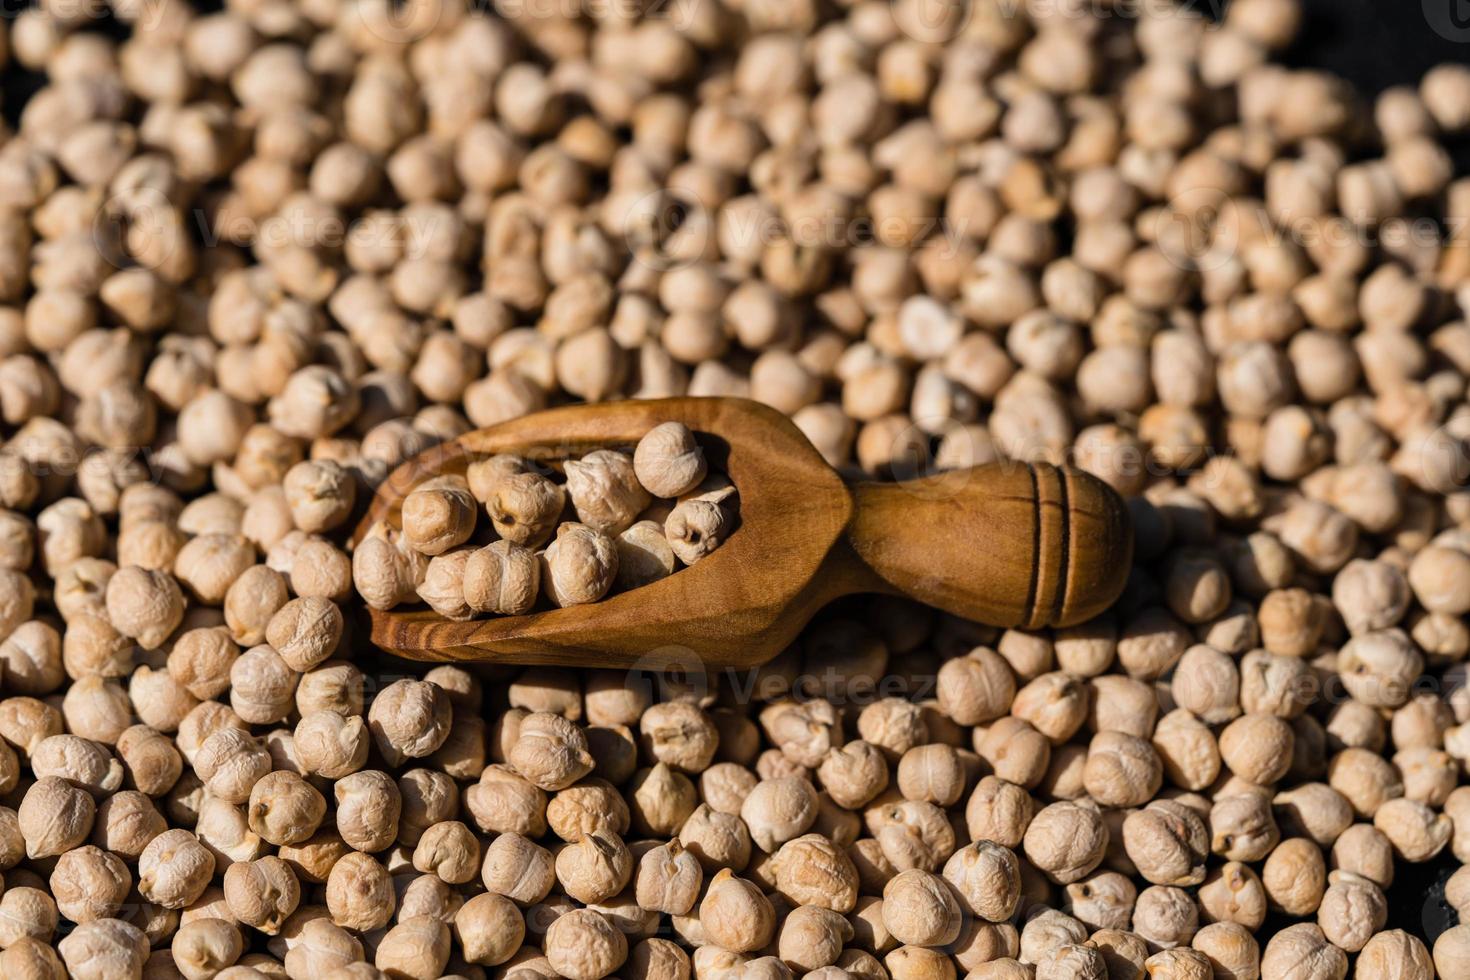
1007 544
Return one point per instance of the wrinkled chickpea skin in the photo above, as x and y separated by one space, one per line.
968 239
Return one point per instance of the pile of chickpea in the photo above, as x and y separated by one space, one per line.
253 258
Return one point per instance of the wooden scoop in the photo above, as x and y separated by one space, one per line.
1007 544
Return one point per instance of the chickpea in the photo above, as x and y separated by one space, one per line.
285 809
1066 841
437 517
54 817
144 605
368 805
581 948
89 883
104 948
174 869
579 566
779 810
409 719
1299 944
359 892
605 491
735 915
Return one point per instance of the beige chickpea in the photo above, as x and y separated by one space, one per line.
716 839
442 584
368 807
812 870
32 960
1243 826
695 528
657 959
1353 909
502 578
210 563
1066 841
359 892
986 878
253 598
89 883
1016 751
1165 916
1103 901
669 879
680 734
584 945
1394 953
489 929
918 963
174 869
588 805
803 733
725 785
1300 944
449 850
54 817
503 801
150 760
231 762
409 719
605 491
579 566
104 948
668 461
1416 831
262 686
735 915
810 938
285 809
29 913
594 868
934 773
1168 843
418 946
551 752
976 688
1295 876
1364 850
262 893
334 685
126 822
144 605
518 869
1378 668
779 810
1365 779
644 555
438 516
999 811
385 571
305 631
523 506
1257 748
1206 682
1122 770
321 946
331 745
1151 644
854 773
1314 810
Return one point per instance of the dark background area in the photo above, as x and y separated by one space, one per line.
1375 44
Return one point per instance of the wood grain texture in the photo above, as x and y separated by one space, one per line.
1007 544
